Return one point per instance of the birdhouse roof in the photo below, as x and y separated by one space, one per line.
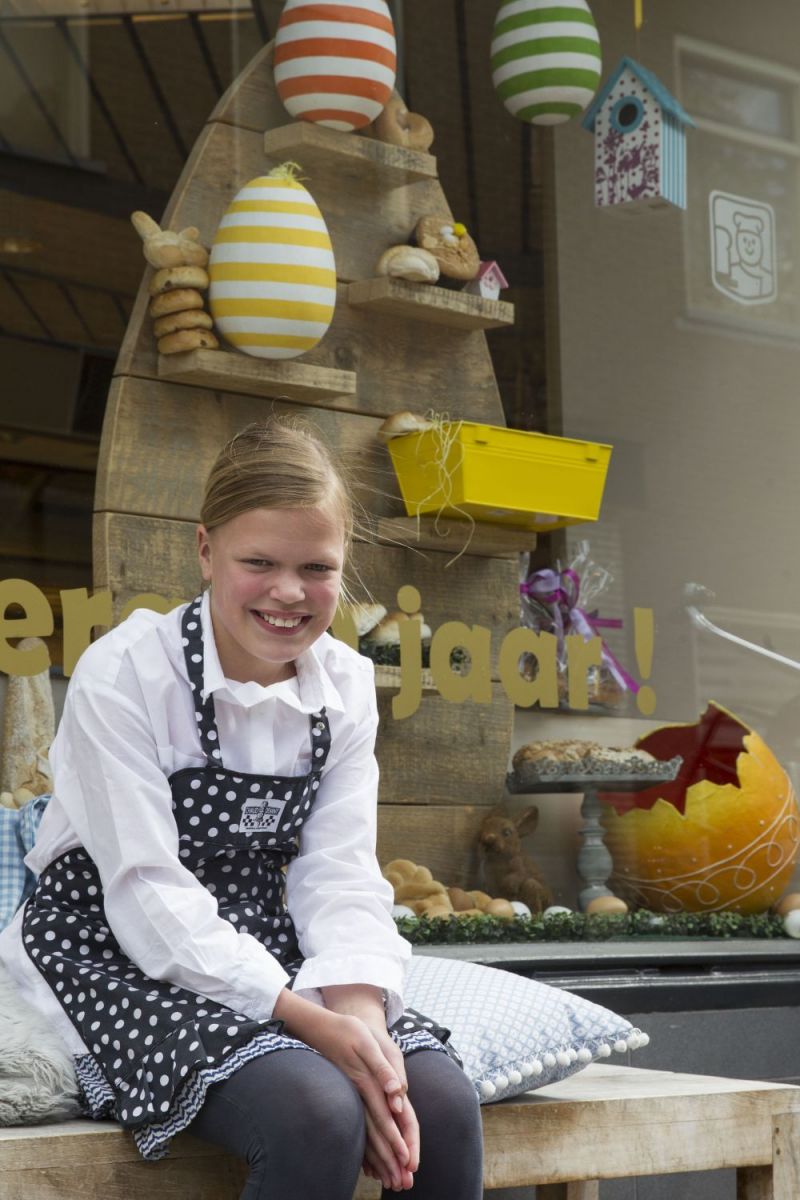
492 268
649 80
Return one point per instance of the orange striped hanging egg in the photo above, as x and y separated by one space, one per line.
272 276
335 63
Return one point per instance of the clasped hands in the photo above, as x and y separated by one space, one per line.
351 1033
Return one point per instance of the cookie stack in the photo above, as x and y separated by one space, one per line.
180 321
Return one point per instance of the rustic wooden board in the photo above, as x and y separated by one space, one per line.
147 554
246 101
160 440
786 1146
478 591
445 754
452 537
134 555
399 364
219 1178
424 302
633 1122
351 157
251 376
389 678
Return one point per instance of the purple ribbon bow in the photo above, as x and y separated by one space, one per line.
560 591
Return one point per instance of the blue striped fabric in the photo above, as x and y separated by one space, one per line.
17 834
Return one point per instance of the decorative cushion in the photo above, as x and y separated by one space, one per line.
514 1034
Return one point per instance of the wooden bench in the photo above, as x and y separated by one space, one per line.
604 1123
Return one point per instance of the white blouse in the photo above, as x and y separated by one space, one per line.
128 724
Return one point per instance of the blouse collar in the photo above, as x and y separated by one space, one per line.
312 688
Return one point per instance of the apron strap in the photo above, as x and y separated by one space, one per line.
192 637
320 742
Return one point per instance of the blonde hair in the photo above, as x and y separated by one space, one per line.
280 462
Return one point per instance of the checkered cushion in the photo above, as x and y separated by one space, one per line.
17 834
514 1034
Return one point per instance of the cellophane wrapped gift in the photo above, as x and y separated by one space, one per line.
565 601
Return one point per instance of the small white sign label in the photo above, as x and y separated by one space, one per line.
743 248
261 815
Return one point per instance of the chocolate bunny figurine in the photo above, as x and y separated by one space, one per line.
506 870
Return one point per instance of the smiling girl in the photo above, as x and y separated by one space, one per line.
210 931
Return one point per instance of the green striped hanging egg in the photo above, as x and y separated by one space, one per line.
545 59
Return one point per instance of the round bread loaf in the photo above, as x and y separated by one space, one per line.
187 339
193 318
170 278
177 301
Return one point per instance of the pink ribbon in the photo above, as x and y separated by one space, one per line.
560 591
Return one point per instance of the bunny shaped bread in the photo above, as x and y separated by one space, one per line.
180 320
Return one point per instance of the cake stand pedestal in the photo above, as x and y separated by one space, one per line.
594 861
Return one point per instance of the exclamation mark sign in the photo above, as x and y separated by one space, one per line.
644 636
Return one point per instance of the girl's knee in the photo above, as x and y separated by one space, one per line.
330 1104
443 1097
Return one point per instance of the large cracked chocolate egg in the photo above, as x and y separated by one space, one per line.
724 835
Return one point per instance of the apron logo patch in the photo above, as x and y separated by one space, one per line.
261 816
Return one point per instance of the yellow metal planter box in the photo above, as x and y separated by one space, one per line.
504 476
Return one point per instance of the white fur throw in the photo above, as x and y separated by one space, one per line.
37 1075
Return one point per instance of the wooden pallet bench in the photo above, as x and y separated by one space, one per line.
604 1123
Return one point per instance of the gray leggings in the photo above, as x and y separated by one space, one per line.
299 1124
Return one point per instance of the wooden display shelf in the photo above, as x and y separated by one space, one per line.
424 302
486 541
316 148
389 678
223 371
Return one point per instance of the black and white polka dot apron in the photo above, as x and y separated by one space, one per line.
156 1048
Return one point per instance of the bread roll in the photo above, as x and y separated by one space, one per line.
387 631
400 423
367 616
408 262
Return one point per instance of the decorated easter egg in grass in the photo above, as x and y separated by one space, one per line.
545 59
723 835
272 276
335 63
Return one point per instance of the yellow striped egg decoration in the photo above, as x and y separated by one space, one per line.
335 62
273 279
545 59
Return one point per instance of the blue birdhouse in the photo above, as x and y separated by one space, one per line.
639 141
